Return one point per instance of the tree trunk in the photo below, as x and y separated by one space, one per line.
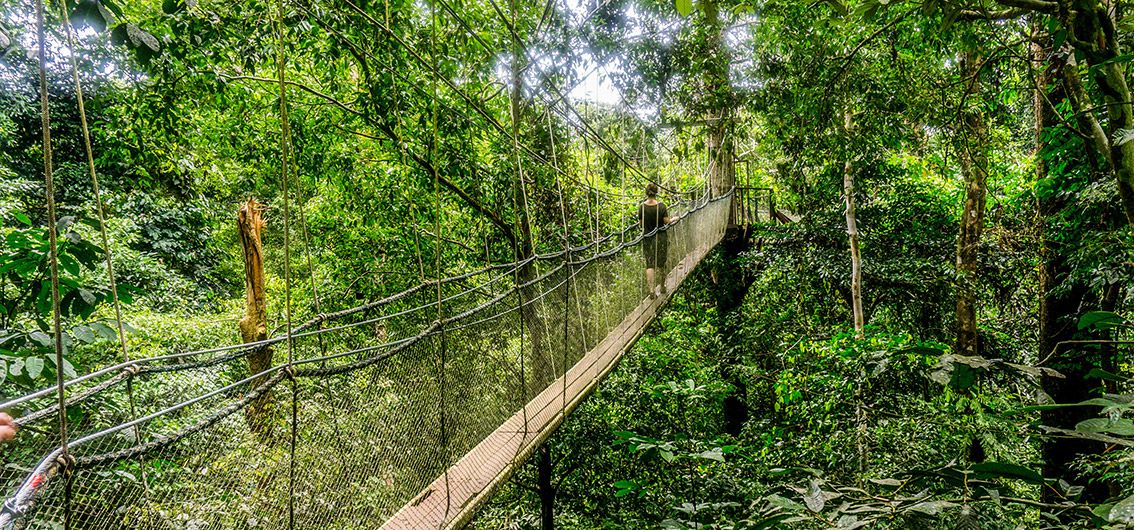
852 234
731 280
254 325
1093 32
1060 302
722 151
974 167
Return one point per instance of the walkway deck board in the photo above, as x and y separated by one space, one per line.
475 477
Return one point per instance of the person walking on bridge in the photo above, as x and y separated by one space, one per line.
655 246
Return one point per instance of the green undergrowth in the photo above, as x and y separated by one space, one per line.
888 431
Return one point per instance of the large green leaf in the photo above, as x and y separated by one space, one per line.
1006 470
684 7
1121 426
1122 512
1100 320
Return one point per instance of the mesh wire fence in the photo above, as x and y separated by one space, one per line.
380 401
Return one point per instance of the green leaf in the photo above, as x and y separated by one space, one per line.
931 507
1093 402
785 503
70 266
83 334
140 37
34 367
1006 470
1106 376
839 7
41 338
105 331
684 7
1121 426
815 499
126 293
1100 320
1122 136
22 218
714 454
888 482
172 7
1122 512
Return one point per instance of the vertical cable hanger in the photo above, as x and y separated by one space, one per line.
105 239
285 137
521 215
566 260
433 146
65 459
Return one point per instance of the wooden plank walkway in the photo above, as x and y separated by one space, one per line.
475 477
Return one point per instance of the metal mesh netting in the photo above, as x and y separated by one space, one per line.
381 401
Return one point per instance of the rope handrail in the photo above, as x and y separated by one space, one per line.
135 367
416 374
274 375
239 350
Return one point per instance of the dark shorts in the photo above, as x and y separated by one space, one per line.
656 249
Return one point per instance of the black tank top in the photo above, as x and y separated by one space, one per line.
652 216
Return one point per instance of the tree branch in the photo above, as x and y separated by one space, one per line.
393 136
1041 6
1006 14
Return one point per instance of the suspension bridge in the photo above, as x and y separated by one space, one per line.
403 413
399 415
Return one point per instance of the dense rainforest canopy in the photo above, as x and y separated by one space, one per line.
929 327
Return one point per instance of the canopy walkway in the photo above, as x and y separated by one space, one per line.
404 413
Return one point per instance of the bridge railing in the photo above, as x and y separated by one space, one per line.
755 205
380 401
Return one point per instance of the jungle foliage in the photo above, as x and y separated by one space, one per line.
989 143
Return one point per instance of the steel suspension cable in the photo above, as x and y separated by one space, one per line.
433 146
53 256
285 138
26 491
101 210
471 102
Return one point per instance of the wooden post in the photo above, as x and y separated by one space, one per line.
254 325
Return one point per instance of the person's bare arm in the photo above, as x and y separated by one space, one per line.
7 427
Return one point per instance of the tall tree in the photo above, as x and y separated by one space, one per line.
851 215
973 154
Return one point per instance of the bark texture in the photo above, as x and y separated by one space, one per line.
254 324
974 168
1061 298
722 152
852 235
1093 32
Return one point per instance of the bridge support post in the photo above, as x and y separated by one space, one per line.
732 284
546 489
